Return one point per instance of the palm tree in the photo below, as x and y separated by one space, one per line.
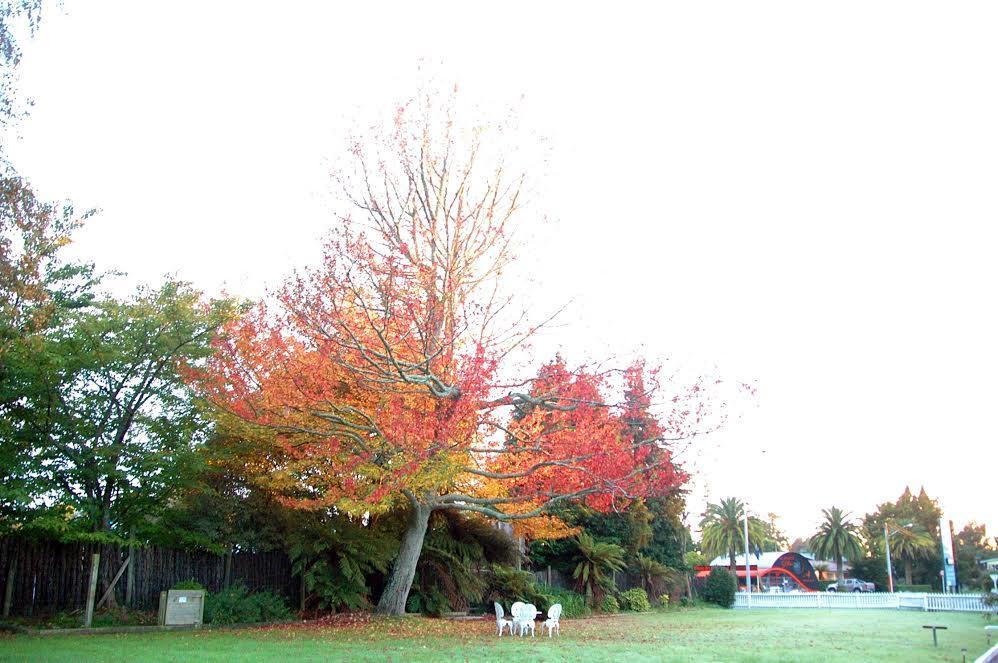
910 542
593 562
722 531
837 537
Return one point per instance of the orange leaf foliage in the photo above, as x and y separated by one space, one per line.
384 371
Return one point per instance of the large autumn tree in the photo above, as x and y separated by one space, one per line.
386 371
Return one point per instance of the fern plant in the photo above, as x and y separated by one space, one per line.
594 564
453 568
656 578
337 561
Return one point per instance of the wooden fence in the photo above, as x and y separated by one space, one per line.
50 576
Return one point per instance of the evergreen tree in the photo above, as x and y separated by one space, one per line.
836 538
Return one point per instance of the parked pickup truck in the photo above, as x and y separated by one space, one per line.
852 585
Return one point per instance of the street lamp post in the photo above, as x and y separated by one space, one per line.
748 568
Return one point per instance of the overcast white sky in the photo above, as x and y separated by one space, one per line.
801 194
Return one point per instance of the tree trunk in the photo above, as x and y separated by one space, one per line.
396 593
840 573
907 571
734 563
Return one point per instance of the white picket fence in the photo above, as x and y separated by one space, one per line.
896 601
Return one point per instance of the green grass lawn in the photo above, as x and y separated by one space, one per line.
687 635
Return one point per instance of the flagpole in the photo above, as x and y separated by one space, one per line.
748 565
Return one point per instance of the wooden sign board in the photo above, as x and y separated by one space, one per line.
181 607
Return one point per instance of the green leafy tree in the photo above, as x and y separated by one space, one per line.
922 514
36 285
639 530
38 293
17 18
872 569
670 538
112 426
722 530
775 538
972 544
222 507
837 537
650 527
595 564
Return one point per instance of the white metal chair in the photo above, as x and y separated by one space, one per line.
528 614
502 623
551 623
514 611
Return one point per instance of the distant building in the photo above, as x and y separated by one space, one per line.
991 563
823 569
782 570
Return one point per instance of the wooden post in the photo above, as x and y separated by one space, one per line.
130 578
8 594
92 590
549 575
110 589
304 590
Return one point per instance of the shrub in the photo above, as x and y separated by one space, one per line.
236 605
188 584
720 588
990 601
636 600
63 620
123 617
609 605
430 601
663 600
572 603
507 585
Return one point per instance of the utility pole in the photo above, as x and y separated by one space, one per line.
748 565
890 571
